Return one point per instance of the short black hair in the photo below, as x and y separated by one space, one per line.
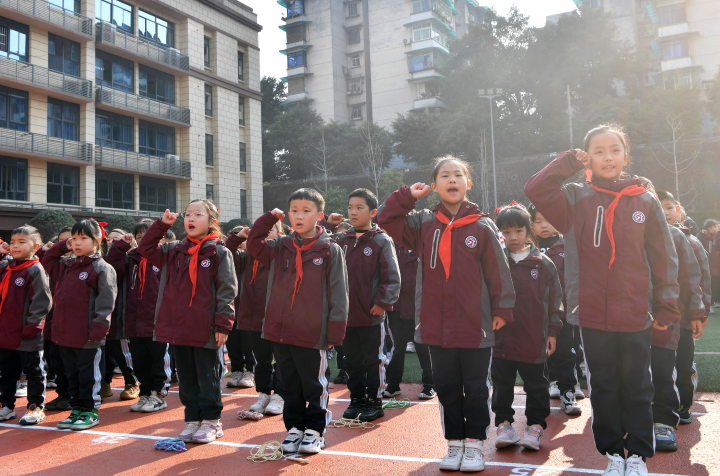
31 231
91 229
515 216
369 197
533 212
664 195
142 227
65 229
170 235
710 222
308 194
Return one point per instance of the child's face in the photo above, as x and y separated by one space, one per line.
83 245
63 237
112 237
360 214
608 155
196 220
23 246
304 215
451 183
542 227
139 236
672 212
515 238
713 229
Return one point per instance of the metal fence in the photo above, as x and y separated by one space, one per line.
42 10
104 94
31 143
141 163
40 76
44 206
109 33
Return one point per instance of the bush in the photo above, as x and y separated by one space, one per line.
228 226
336 201
50 222
122 222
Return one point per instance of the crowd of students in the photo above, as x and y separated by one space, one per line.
599 270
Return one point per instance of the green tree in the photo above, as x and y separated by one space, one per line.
291 138
50 222
418 137
392 180
119 222
336 201
273 91
228 226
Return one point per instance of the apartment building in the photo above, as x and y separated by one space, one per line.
370 60
128 107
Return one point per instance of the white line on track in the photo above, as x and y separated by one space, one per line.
707 353
324 452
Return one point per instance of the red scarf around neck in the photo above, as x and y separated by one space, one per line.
445 248
194 253
255 268
5 283
298 266
141 275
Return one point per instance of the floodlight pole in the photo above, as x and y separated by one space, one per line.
492 93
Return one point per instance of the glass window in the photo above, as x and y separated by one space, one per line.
115 11
296 59
241 65
209 152
241 110
675 48
243 158
13 109
243 203
156 139
157 195
114 72
157 85
63 55
208 100
114 190
420 6
156 29
422 31
421 62
209 191
672 14
113 130
352 9
14 40
353 36
356 113
63 119
13 179
355 61
70 5
63 184
206 51
295 7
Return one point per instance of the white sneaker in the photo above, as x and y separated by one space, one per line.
137 406
454 457
569 405
21 389
208 432
410 347
635 466
234 379
473 460
579 394
154 403
190 428
312 442
7 414
554 390
261 404
276 405
531 438
616 466
247 380
292 441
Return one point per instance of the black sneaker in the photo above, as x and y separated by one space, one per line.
173 378
392 391
342 378
428 393
685 416
356 407
61 403
373 410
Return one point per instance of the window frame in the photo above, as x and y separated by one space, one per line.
158 76
420 6
243 157
53 41
299 57
352 61
672 47
14 29
351 40
241 110
13 179
206 51
65 4
352 113
352 10
146 183
63 120
12 96
151 132
209 150
126 123
355 86
123 180
145 17
74 189
112 4
669 14
113 61
241 66
210 191
243 203
208 100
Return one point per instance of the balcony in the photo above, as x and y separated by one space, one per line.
297 98
33 146
56 19
145 108
674 30
429 103
147 164
34 78
116 40
676 63
298 71
428 45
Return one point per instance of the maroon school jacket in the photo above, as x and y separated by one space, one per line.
47 326
456 311
213 306
557 254
706 282
250 305
408 262
600 297
714 254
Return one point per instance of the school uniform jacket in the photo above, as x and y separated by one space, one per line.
706 282
213 305
27 303
319 315
456 311
84 297
47 325
408 261
714 254
250 304
598 296
373 274
557 254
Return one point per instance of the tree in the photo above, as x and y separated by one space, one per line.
392 180
418 136
50 222
291 137
273 92
228 226
336 201
325 160
119 222
375 157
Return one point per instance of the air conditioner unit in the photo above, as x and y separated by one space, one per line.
109 31
345 71
405 41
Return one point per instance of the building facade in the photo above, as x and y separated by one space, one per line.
128 107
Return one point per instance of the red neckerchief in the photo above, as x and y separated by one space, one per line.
298 266
194 253
255 268
141 275
5 283
444 250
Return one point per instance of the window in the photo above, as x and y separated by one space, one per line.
353 36
296 59
63 55
13 179
114 72
295 7
591 3
357 113
13 109
356 86
209 192
157 85
156 139
670 83
685 82
14 40
355 61
116 12
672 14
420 6
63 184
206 51
114 190
70 5
352 9
241 110
243 203
63 119
243 158
113 130
241 66
208 100
209 152
426 31
675 48
156 29
157 195
421 62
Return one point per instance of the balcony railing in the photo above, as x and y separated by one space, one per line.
110 34
142 163
133 102
30 143
44 11
39 76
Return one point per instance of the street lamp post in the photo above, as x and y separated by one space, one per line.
490 94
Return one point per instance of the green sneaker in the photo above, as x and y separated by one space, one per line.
87 419
70 420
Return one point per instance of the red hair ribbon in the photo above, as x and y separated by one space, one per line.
497 210
102 227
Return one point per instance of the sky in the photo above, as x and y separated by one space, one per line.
272 39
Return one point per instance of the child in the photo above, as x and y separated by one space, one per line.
195 310
139 283
25 300
466 295
84 282
306 313
607 277
707 235
522 346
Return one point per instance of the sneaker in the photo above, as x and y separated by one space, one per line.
392 391
137 406
472 460
665 438
33 416
261 404
373 410
234 379
117 370
568 404
506 436
7 413
616 466
68 422
554 390
61 402
247 380
342 378
292 441
21 389
154 403
190 428
51 383
583 369
312 442
87 419
173 378
276 405
685 416
716 304
357 406
410 347
453 459
131 392
106 391
209 431
579 394
531 438
635 466
428 393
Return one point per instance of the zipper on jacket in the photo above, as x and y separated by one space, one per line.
356 241
287 265
598 225
434 249
345 250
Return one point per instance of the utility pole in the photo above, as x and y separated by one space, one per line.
572 143
490 94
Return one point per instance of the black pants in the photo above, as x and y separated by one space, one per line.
55 362
687 375
151 365
403 331
666 400
535 383
84 374
579 353
463 388
240 351
561 364
340 357
264 369
621 391
199 375
365 360
117 352
12 363
302 384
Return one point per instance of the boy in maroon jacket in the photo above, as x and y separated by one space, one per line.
306 313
